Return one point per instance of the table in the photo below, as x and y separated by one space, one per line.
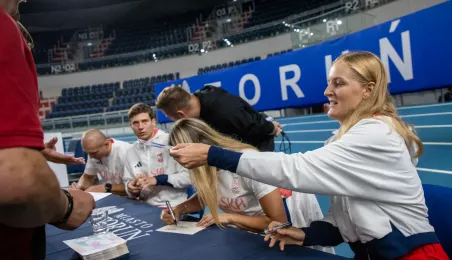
136 222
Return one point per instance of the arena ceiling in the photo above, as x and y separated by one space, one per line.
51 15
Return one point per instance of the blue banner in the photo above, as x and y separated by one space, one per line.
416 50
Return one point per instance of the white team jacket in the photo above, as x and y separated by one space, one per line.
370 177
142 159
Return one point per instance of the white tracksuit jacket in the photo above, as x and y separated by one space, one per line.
377 199
142 159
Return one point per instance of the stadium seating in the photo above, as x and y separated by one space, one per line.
232 64
135 37
270 10
83 100
106 97
227 65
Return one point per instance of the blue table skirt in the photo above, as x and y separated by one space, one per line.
136 222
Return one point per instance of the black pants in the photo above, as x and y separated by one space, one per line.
38 246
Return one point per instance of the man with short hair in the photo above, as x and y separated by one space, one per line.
106 161
30 195
150 173
226 113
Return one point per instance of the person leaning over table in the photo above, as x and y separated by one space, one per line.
367 167
246 204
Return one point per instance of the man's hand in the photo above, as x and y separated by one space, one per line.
146 181
52 155
96 188
190 155
207 220
76 186
83 206
285 236
133 188
278 128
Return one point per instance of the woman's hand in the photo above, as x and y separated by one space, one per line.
207 220
167 218
285 236
190 155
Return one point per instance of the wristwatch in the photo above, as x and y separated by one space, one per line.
108 187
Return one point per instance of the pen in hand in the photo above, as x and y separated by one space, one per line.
170 209
284 225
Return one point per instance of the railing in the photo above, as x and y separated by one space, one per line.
101 120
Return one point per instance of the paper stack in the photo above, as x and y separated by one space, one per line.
99 247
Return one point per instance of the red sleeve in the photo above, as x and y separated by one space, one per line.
19 96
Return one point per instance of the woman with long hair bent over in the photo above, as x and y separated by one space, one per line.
246 203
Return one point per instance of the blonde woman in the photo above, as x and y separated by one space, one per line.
368 169
246 203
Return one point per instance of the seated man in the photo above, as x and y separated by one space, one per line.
106 161
150 173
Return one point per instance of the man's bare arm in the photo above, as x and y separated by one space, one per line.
30 195
85 182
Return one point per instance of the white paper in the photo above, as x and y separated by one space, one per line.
183 227
99 195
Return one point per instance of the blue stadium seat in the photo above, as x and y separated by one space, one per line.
439 202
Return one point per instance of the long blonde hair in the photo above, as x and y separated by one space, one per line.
204 178
368 68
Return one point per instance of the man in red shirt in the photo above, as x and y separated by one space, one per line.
30 196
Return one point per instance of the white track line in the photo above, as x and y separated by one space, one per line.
331 130
431 126
322 142
423 106
303 142
399 108
428 114
315 122
433 170
334 121
310 131
436 143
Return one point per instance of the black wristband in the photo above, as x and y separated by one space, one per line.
70 206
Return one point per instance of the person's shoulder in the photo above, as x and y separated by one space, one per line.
374 131
249 150
161 137
5 18
7 24
377 124
124 146
210 89
9 30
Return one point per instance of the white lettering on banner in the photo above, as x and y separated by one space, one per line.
285 82
257 88
329 62
405 65
128 227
